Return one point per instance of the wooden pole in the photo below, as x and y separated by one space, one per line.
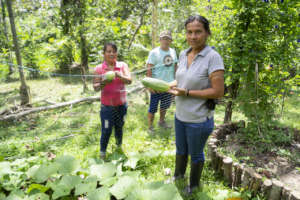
266 188
227 166
275 193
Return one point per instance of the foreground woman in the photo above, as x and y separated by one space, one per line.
199 77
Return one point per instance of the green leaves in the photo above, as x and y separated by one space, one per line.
103 171
123 187
4 169
99 194
86 186
43 172
155 190
68 164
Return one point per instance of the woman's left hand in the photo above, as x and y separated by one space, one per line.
177 91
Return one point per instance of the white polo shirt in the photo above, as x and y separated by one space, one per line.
196 77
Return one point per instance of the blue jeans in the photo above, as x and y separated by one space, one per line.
111 116
165 101
191 138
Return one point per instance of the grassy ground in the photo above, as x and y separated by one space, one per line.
76 130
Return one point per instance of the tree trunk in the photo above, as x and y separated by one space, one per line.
9 57
24 89
233 91
154 22
137 29
84 60
83 47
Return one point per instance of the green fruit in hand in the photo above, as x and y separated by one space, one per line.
109 76
156 84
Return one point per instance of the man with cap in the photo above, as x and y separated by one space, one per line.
161 64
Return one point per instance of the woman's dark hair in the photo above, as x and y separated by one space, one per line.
113 45
200 19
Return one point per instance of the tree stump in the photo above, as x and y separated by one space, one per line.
266 188
295 196
214 161
220 158
246 182
209 150
256 183
276 190
286 193
213 140
227 166
238 171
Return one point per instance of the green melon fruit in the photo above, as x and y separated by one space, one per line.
156 84
110 75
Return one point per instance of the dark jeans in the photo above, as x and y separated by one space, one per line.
165 100
191 138
111 116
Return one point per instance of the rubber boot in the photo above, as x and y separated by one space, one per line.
180 166
195 175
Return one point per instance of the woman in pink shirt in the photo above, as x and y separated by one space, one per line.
113 96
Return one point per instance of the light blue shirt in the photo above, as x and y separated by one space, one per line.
164 63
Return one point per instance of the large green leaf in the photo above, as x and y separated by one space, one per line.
44 172
123 187
63 186
103 171
132 162
166 192
60 191
32 170
99 194
221 194
109 181
67 163
5 168
2 196
39 187
39 196
155 191
70 181
16 195
139 194
86 186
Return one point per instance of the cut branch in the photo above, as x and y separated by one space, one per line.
59 105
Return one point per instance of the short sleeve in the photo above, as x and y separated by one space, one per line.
125 67
98 69
175 56
151 58
215 63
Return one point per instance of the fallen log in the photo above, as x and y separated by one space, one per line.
51 107
59 105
